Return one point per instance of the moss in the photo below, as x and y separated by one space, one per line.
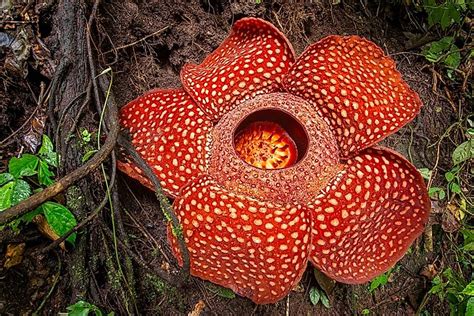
75 200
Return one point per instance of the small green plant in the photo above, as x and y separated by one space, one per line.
83 308
454 289
381 280
316 295
461 154
446 13
16 186
444 52
447 17
86 136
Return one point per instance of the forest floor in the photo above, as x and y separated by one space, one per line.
146 43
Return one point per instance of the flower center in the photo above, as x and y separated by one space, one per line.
270 139
266 145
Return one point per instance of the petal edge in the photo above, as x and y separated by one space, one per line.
251 61
369 216
356 88
170 132
258 249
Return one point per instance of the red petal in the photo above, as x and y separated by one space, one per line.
251 61
355 88
369 216
169 131
258 249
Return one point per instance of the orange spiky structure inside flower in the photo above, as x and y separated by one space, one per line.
266 145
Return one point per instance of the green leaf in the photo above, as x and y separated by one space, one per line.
221 291
453 59
83 308
468 236
44 174
436 193
468 246
455 188
86 136
435 50
5 177
365 311
225 292
469 289
444 13
325 300
425 173
24 166
21 191
6 192
47 153
437 286
88 155
463 152
449 176
314 295
60 219
27 218
379 281
470 307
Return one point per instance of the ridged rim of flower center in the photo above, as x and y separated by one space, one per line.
270 139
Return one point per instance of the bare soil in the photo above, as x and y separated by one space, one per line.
146 43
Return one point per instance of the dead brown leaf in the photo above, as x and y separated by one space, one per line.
46 230
198 308
14 255
326 283
429 271
299 288
449 222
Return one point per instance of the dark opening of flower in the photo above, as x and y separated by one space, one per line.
271 160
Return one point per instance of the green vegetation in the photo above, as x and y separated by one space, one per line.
32 173
220 291
446 13
381 280
316 295
83 308
450 56
454 289
447 17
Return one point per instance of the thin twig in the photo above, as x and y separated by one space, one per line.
92 69
163 275
4 141
137 41
55 282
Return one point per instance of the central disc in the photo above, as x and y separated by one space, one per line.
273 147
266 145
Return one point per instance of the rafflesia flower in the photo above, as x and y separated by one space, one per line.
271 160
